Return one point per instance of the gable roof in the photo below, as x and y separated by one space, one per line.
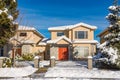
43 42
72 26
60 38
102 32
26 28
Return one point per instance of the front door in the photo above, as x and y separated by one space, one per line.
63 53
18 52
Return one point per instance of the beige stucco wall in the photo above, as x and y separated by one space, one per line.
53 35
30 36
62 42
54 52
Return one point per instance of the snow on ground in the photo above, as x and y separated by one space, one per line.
73 70
77 69
31 63
49 79
17 72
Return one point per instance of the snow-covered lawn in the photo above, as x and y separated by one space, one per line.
72 70
31 63
77 69
17 72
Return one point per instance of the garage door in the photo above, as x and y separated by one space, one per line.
63 53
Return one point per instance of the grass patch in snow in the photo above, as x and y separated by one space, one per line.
42 69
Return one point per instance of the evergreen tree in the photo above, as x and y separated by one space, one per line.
110 49
8 14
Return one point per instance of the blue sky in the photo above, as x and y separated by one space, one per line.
42 14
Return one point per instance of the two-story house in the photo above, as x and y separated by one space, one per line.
72 41
27 40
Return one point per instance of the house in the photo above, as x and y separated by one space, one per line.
66 43
72 41
102 35
27 40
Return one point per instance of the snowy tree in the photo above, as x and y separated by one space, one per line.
109 51
8 15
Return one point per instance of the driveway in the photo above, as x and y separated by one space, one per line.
78 70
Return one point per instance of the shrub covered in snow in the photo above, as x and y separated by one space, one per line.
7 62
28 57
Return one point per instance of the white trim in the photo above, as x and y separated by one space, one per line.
60 38
42 43
72 26
86 41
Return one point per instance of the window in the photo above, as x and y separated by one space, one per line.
81 51
60 34
23 34
81 34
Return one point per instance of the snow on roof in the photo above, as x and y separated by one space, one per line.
26 28
85 41
72 26
60 38
103 44
43 42
29 28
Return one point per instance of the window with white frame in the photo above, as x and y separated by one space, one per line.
81 51
81 34
60 34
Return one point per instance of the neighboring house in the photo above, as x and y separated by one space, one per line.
27 40
102 35
72 41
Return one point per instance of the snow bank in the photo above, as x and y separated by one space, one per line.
17 72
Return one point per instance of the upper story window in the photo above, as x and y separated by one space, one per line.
23 34
81 34
60 34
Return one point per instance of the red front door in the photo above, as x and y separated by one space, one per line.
63 53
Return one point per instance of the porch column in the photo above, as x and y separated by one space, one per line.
70 52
